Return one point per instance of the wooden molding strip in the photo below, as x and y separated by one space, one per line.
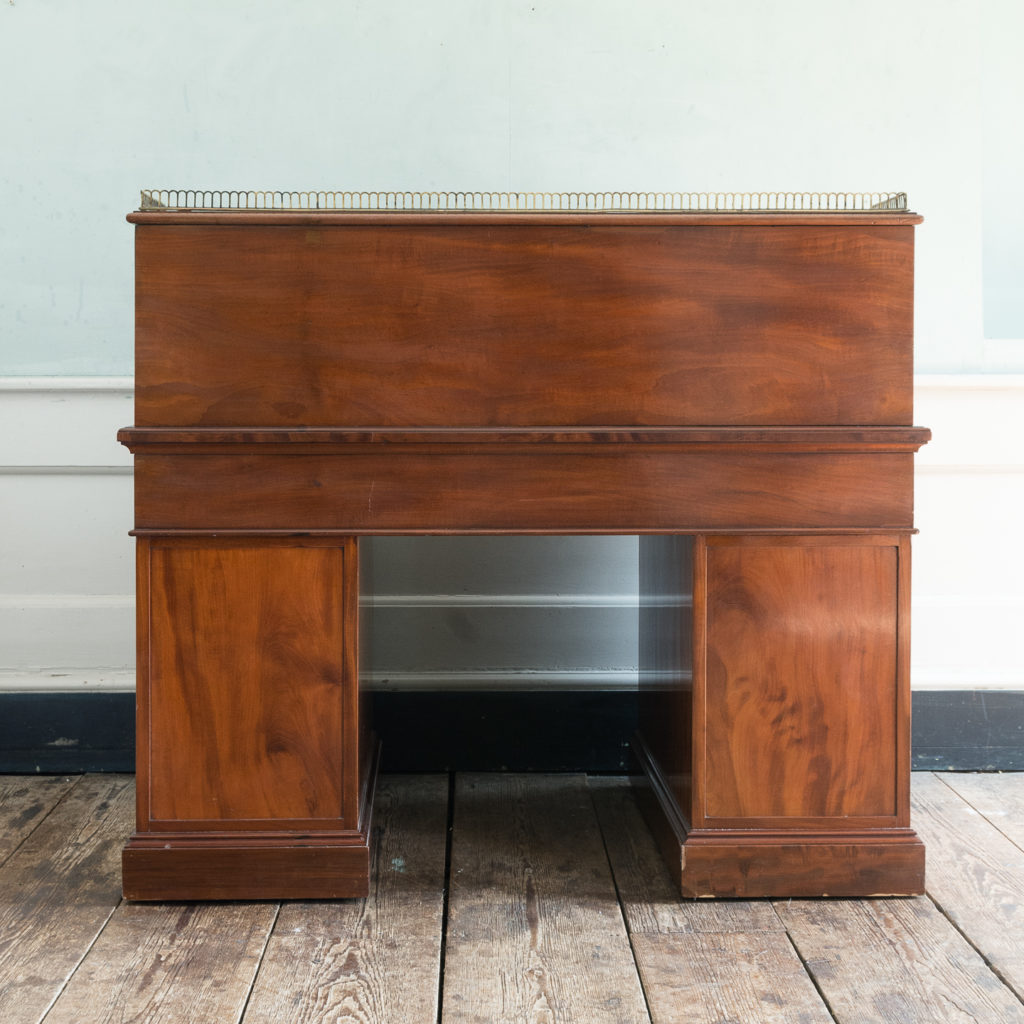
213 440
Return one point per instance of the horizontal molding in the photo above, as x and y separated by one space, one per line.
89 470
971 600
930 469
97 680
968 469
926 677
82 385
60 635
561 600
126 383
48 419
64 425
456 681
61 601
969 382
565 600
91 680
976 422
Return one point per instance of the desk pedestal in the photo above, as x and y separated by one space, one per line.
256 763
735 387
774 726
774 735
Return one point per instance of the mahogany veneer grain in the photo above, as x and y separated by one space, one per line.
523 324
492 490
736 388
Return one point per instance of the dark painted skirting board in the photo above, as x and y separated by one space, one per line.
963 730
968 730
504 731
58 733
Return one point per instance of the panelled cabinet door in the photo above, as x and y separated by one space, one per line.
249 709
804 682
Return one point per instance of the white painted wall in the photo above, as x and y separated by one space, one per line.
66 561
108 97
466 613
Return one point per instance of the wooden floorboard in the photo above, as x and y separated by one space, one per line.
975 875
895 961
375 959
169 963
24 801
709 978
558 910
649 899
999 797
701 961
535 933
57 891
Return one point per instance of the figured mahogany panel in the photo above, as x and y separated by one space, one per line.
506 323
250 691
802 713
493 489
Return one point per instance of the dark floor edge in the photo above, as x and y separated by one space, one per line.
543 731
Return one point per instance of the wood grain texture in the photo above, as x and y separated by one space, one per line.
488 489
534 931
376 961
699 960
368 960
895 962
251 685
701 978
999 797
801 690
802 323
255 772
243 866
975 875
169 963
24 803
57 892
647 891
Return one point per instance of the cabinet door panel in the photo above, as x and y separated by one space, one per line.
247 692
802 680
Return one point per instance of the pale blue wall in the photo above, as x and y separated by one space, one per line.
105 97
1002 84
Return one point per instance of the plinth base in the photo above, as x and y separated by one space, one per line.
244 868
751 863
253 865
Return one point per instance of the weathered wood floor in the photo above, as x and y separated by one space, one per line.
534 899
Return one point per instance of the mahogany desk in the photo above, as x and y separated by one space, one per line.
734 387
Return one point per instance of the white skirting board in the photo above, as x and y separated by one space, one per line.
484 612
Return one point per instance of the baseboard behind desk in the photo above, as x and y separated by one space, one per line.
554 731
506 731
968 730
67 733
